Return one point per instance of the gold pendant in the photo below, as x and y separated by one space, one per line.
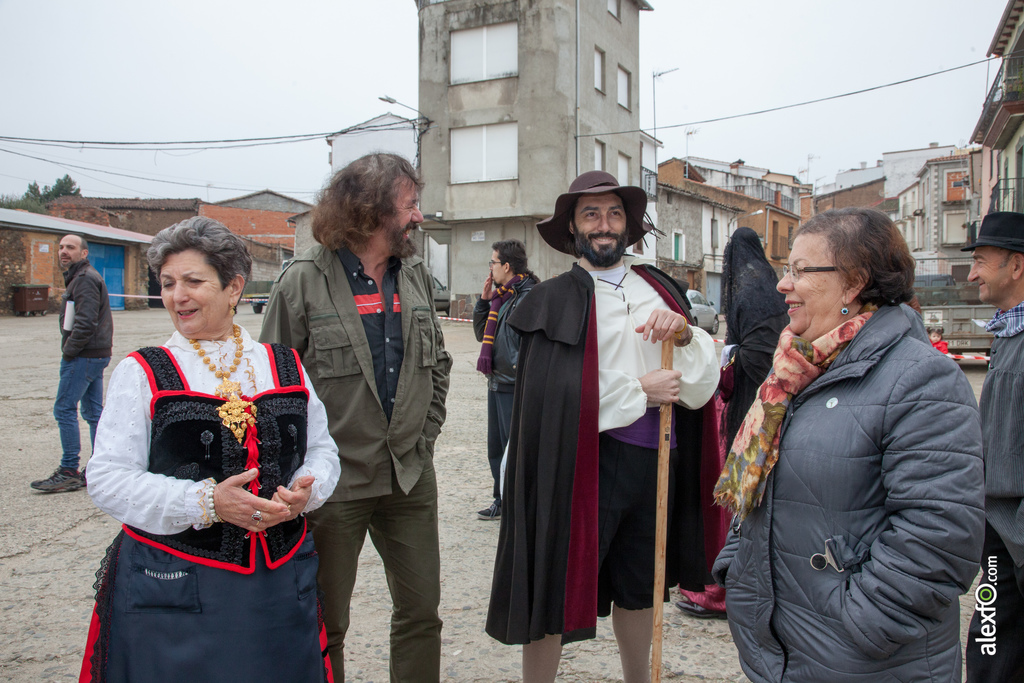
234 416
228 389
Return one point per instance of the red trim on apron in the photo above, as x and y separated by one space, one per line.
199 560
85 676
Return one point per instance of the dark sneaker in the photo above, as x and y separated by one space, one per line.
492 513
61 480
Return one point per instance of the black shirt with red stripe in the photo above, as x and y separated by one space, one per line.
381 314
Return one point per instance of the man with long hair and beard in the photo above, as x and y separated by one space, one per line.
359 309
579 507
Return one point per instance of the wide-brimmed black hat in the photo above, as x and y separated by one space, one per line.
1000 229
555 230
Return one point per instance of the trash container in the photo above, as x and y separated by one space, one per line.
30 299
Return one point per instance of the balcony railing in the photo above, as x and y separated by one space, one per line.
649 181
1008 195
766 194
1008 87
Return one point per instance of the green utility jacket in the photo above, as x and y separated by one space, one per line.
311 309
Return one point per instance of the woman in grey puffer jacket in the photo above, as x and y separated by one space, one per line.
849 552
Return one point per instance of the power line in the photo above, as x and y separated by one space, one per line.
190 145
798 104
102 168
125 175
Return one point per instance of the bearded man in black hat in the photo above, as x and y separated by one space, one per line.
997 628
578 512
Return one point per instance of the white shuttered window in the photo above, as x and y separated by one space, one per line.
485 153
485 52
623 88
623 169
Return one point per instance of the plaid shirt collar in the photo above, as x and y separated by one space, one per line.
1007 323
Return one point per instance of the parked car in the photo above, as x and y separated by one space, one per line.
442 301
704 313
258 291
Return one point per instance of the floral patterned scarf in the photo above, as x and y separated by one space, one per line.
797 363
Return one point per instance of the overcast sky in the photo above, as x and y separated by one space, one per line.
125 70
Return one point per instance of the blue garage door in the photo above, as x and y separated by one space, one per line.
108 259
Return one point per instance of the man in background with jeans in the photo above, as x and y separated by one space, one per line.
87 331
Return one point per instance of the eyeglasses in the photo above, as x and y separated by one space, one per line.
796 272
494 263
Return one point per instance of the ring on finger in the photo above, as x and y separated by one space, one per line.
257 516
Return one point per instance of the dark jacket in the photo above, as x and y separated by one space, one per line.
505 354
92 335
546 567
1002 419
312 310
879 458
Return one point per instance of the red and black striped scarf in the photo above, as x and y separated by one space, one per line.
502 294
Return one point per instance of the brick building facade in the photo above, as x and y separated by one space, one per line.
29 250
865 195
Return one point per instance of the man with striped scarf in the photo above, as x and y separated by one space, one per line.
507 283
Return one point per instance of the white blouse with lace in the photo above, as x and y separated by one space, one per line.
118 478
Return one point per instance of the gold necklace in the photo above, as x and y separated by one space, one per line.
236 413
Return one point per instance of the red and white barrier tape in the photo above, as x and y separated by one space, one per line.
958 356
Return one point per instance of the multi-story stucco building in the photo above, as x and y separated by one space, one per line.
999 130
780 189
521 96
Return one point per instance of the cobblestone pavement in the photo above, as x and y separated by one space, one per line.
52 544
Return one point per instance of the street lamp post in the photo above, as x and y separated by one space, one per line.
654 98
422 122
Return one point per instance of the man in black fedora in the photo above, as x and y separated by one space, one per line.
578 512
997 628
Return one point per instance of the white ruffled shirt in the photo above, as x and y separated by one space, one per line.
118 477
624 302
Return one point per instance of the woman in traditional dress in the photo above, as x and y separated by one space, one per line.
209 451
755 314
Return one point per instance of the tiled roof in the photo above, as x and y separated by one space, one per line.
951 157
129 203
887 205
38 221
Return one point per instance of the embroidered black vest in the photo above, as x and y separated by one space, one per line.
189 441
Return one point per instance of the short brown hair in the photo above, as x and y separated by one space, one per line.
358 199
864 243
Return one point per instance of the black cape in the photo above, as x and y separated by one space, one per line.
545 573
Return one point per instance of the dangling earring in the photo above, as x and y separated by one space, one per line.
844 310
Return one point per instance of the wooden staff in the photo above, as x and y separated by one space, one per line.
661 527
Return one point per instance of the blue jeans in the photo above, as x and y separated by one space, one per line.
81 382
499 422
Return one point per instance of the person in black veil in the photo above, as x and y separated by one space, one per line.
755 315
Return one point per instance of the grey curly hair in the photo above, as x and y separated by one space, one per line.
223 250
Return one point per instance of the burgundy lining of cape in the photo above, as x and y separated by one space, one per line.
580 606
